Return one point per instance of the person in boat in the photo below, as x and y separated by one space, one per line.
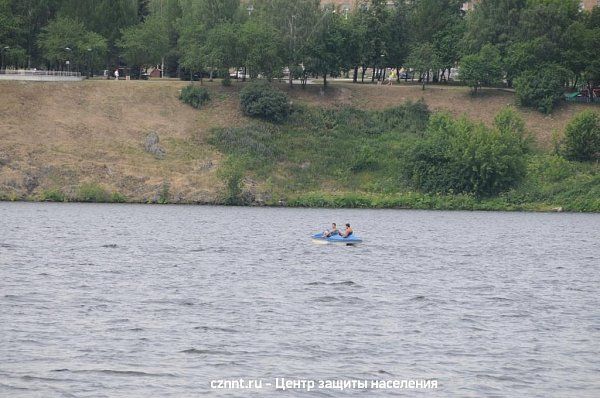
347 232
332 232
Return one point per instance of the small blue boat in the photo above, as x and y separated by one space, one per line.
352 240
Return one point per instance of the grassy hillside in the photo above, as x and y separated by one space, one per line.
85 141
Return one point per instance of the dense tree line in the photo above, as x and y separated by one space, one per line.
537 46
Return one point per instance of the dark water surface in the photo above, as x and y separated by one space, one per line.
156 301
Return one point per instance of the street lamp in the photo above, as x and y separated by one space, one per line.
3 49
68 62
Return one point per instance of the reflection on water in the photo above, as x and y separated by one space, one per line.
107 300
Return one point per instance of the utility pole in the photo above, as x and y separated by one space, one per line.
292 48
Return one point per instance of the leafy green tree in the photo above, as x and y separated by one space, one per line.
192 56
105 17
65 39
398 34
327 47
493 22
222 47
549 18
198 18
32 16
424 58
541 88
359 50
263 48
170 12
297 21
529 55
145 44
10 28
211 13
581 43
9 23
376 19
482 69
582 137
440 23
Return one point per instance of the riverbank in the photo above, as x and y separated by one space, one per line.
88 142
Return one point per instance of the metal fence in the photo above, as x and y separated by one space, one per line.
35 72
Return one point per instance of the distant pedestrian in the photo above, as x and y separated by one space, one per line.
116 74
392 77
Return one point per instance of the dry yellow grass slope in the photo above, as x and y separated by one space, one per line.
63 135
60 135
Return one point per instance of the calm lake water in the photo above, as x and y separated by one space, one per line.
157 301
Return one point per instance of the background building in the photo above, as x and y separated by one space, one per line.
589 4
585 4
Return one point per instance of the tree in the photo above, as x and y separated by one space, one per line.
263 48
494 22
222 47
482 69
398 33
9 24
297 22
10 29
440 23
581 43
145 44
376 16
326 54
549 18
105 17
170 12
198 18
65 39
424 58
32 16
192 56
582 137
541 88
358 53
529 55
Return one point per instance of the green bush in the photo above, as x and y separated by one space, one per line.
232 174
92 192
549 169
226 81
195 96
117 197
459 156
53 195
164 195
541 88
264 101
582 137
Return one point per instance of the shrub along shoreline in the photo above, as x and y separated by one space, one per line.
351 200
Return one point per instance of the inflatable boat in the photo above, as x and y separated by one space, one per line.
352 240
